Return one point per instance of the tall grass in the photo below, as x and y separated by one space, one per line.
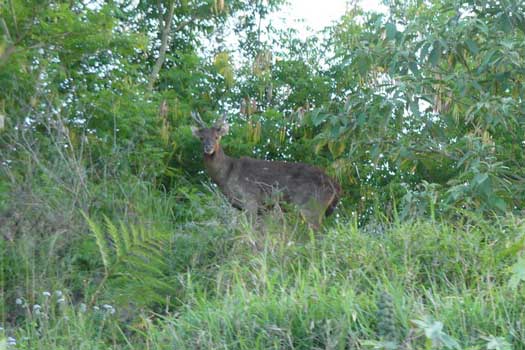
323 292
228 283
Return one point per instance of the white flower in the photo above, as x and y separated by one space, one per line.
18 301
96 308
109 308
36 309
61 300
82 307
46 294
58 293
11 341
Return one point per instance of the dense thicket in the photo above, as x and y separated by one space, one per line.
422 106
419 112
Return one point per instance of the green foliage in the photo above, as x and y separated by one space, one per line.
135 263
427 97
53 321
418 112
301 293
518 273
386 327
237 286
497 343
433 331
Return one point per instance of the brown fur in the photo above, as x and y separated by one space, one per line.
249 183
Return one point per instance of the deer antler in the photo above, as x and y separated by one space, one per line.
198 119
221 120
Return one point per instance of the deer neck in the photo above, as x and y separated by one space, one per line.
218 166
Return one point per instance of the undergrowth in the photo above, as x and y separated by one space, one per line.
183 270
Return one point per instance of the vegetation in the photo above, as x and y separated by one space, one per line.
114 238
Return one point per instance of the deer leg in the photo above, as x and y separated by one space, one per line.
251 210
313 212
312 218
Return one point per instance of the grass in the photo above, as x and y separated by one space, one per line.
323 293
225 284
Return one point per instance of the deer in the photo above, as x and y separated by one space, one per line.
249 184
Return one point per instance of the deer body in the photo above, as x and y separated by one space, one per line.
251 183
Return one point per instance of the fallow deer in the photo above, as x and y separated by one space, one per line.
249 183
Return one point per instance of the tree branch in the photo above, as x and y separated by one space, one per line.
164 41
6 30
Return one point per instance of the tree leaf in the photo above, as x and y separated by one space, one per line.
391 31
413 68
472 46
504 23
435 54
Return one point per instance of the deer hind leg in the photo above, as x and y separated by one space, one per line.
312 218
312 212
251 206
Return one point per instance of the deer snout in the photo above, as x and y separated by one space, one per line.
209 148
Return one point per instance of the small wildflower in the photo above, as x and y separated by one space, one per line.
46 294
61 300
109 308
82 307
58 293
96 308
36 307
18 301
11 341
1 329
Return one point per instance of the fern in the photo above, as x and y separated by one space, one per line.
100 239
135 262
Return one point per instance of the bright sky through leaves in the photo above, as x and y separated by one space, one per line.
319 14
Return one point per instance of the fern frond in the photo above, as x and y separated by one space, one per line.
152 252
136 234
140 265
101 241
115 234
134 261
127 238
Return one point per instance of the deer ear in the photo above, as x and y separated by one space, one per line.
222 128
195 131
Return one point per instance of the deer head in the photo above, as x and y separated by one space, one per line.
210 137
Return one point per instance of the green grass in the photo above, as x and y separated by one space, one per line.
323 293
221 283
